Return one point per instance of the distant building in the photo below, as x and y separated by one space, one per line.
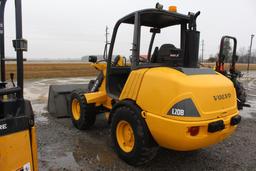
85 58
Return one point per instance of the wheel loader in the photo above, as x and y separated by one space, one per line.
18 147
165 100
232 73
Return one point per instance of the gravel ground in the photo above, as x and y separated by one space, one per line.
62 147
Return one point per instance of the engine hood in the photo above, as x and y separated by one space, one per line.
187 94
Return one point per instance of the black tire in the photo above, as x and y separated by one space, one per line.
145 148
241 94
87 111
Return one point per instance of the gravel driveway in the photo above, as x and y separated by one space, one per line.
62 147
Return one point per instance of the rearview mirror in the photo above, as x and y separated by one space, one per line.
155 30
93 59
228 49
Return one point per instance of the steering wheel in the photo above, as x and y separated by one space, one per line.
143 59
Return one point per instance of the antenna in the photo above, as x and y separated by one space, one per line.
106 35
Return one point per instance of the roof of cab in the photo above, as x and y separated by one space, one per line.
156 18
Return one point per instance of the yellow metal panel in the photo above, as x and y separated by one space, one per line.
132 85
100 97
99 66
15 151
34 148
121 61
102 68
97 97
173 134
163 87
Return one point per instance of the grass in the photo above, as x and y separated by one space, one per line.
54 70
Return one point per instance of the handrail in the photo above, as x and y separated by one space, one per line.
7 91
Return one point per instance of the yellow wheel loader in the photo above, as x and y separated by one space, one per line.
18 147
164 100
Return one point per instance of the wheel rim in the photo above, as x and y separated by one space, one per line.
125 136
76 109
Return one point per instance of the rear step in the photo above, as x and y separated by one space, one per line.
219 125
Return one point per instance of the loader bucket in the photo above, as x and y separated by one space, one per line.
59 98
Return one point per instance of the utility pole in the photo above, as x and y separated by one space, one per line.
106 35
105 53
249 54
202 57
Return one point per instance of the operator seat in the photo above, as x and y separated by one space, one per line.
169 54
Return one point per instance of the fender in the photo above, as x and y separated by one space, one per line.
127 102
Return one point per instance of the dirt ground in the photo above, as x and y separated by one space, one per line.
62 147
48 69
53 70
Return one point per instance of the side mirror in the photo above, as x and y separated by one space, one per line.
93 59
228 46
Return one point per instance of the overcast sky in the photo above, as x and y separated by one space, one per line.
71 29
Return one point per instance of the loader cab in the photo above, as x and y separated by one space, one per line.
154 21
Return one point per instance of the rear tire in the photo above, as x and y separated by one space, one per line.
83 115
138 148
241 94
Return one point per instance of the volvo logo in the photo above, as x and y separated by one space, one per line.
222 97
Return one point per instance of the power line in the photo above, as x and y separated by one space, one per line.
202 53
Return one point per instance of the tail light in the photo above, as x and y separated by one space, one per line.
194 130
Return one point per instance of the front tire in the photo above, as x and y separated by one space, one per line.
83 115
132 140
